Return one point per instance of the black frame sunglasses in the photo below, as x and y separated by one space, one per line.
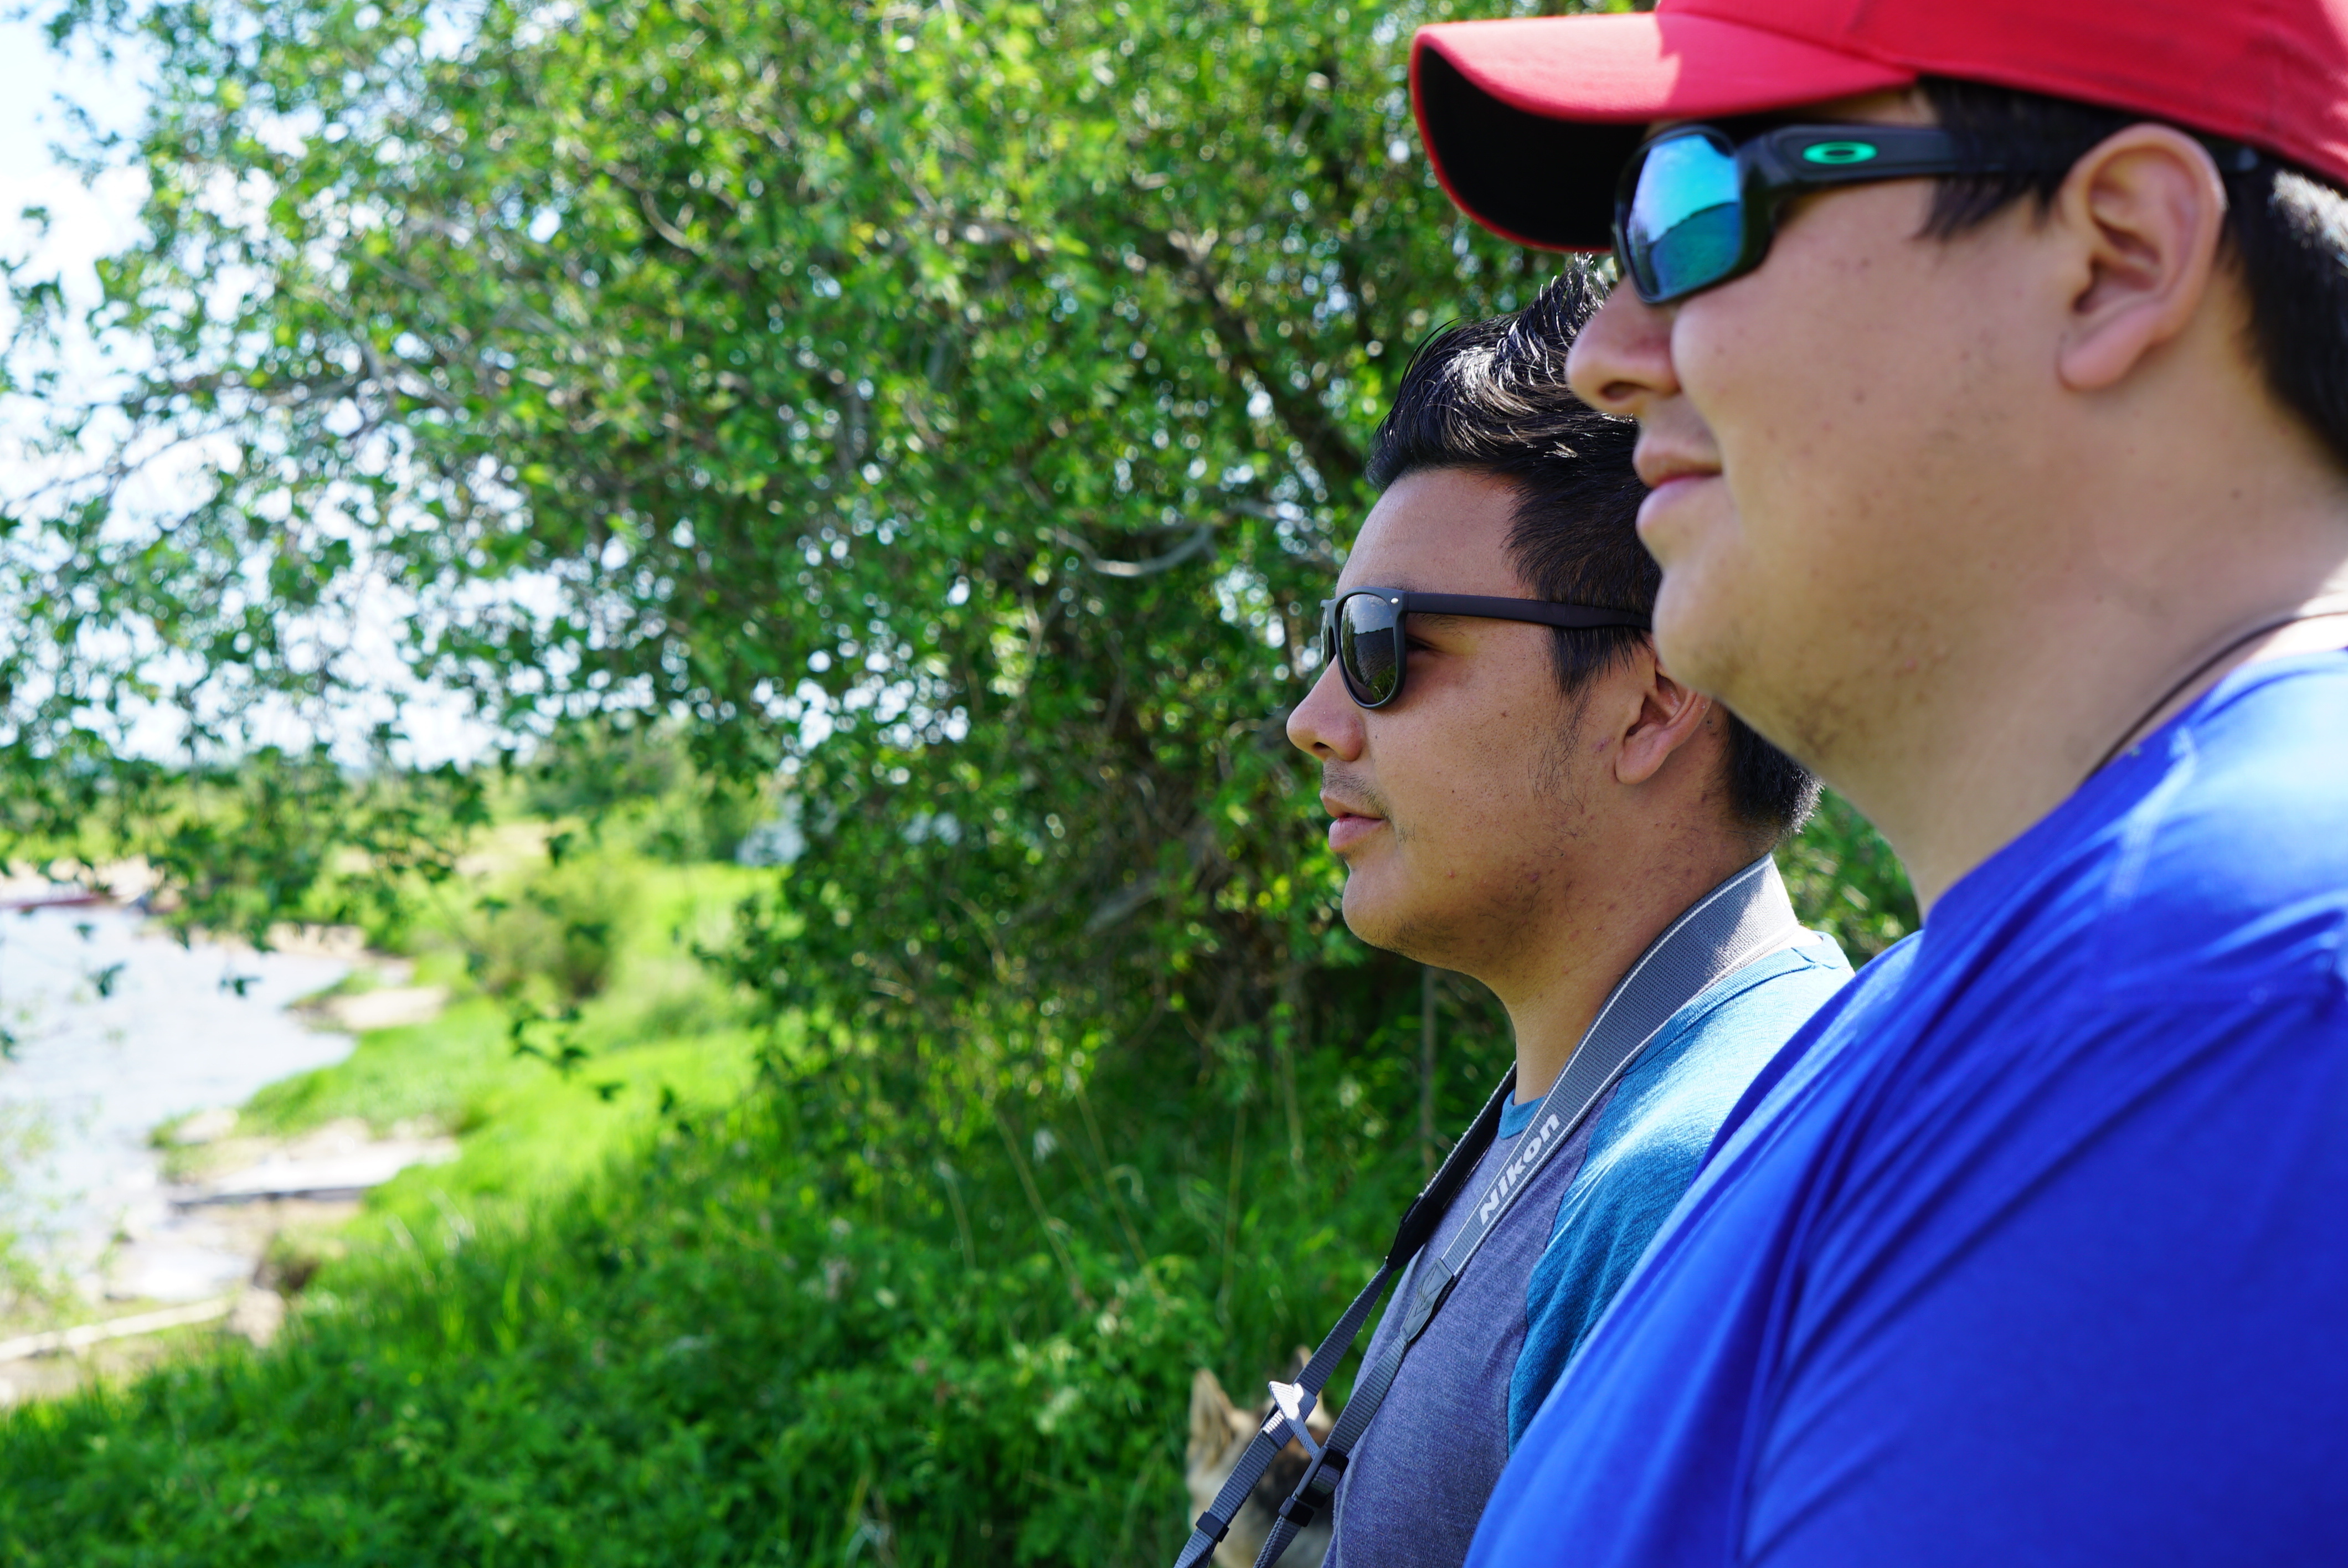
1696 207
1362 630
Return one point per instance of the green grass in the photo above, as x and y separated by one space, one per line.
446 1072
739 1293
526 1136
701 1359
655 1021
658 1032
728 1292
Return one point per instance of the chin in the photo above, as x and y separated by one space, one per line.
1695 632
1373 914
1699 544
1395 925
1363 915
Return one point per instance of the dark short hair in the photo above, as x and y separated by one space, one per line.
1490 396
2287 229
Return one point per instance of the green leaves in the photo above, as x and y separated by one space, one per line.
944 417
957 408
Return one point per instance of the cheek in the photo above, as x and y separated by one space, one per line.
1808 370
1777 386
1454 767
1826 379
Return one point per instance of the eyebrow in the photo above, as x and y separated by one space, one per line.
1445 618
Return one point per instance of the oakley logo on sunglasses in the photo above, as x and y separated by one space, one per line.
1362 630
1839 152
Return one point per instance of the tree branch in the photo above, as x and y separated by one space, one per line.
1326 448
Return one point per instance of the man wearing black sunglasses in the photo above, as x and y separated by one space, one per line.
1521 792
1991 361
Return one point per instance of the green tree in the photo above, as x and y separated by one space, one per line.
953 411
983 385
959 408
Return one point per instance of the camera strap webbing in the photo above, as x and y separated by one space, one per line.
1737 922
1292 1402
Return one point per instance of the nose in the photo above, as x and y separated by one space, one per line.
1326 725
1621 362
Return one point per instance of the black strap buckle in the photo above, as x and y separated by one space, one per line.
1315 1492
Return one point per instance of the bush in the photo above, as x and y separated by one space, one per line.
1845 879
551 940
27 1288
957 409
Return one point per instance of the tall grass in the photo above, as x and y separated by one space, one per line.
807 1307
749 1342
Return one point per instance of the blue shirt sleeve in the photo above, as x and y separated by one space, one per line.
1649 1142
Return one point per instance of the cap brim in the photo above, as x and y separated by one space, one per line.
1527 121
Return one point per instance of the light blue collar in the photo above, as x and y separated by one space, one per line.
1517 1115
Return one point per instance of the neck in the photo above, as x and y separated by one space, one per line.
2141 589
1553 988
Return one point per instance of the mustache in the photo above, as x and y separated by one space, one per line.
1346 784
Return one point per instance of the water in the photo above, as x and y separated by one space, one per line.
118 1029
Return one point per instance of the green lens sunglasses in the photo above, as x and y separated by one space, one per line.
1697 207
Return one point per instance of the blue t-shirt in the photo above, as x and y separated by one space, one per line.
2037 1252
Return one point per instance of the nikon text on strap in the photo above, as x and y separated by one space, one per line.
1738 921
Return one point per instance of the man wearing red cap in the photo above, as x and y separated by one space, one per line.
1991 365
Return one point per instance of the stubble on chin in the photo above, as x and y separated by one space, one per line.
1769 682
1338 780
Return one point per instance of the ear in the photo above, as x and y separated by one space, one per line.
1211 1419
1669 716
2146 212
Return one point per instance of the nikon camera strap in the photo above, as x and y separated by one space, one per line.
1736 922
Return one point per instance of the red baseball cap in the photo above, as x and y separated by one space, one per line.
1528 121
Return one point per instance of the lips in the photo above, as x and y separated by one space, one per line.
1349 822
1662 498
1675 472
1660 468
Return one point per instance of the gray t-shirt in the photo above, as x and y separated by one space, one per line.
1434 1452
1422 1473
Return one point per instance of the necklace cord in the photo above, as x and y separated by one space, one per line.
2318 609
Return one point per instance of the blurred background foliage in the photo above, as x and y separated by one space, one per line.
899 444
